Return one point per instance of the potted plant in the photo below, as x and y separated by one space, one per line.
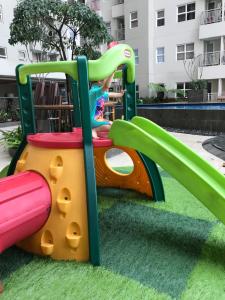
198 92
3 116
11 139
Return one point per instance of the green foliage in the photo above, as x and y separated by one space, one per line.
199 84
4 171
140 101
3 115
11 138
158 88
56 24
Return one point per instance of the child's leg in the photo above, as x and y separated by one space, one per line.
103 128
94 133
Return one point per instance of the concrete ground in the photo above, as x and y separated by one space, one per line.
193 141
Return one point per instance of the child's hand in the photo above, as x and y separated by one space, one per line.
122 92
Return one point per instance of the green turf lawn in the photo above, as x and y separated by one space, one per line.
171 250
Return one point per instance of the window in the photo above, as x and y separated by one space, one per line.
21 55
133 19
160 18
160 55
108 26
53 56
185 51
136 56
184 87
39 56
137 92
3 52
186 12
1 13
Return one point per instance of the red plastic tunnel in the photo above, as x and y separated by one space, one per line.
25 202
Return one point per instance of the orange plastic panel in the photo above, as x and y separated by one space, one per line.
138 180
65 234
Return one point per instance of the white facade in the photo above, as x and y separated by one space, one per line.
167 36
11 56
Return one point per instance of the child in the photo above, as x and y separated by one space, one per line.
98 95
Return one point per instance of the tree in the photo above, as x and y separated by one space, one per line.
156 89
56 25
194 67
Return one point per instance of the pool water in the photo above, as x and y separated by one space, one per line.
187 106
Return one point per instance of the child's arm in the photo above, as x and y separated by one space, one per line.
116 95
107 83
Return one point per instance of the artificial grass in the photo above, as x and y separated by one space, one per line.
136 235
171 250
4 171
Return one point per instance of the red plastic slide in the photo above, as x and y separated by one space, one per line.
25 202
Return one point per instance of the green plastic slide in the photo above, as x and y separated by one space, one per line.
197 175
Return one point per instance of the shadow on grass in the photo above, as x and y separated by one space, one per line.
13 259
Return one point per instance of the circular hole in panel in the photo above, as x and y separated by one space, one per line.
119 161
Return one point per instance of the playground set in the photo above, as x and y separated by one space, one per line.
48 201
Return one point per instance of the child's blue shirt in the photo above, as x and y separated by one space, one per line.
97 98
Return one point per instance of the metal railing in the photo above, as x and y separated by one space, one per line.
211 59
212 97
211 16
222 58
117 2
120 34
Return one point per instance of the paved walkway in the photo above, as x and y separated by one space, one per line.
193 141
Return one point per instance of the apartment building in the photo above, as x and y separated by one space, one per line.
174 41
11 56
166 36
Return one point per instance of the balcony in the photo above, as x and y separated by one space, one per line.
94 5
120 34
117 2
211 24
211 16
211 59
212 65
118 8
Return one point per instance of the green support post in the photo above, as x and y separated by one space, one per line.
16 156
76 103
154 176
129 106
89 161
129 111
26 115
26 105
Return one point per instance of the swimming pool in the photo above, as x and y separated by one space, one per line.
192 106
208 118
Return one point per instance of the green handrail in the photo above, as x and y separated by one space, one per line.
97 69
